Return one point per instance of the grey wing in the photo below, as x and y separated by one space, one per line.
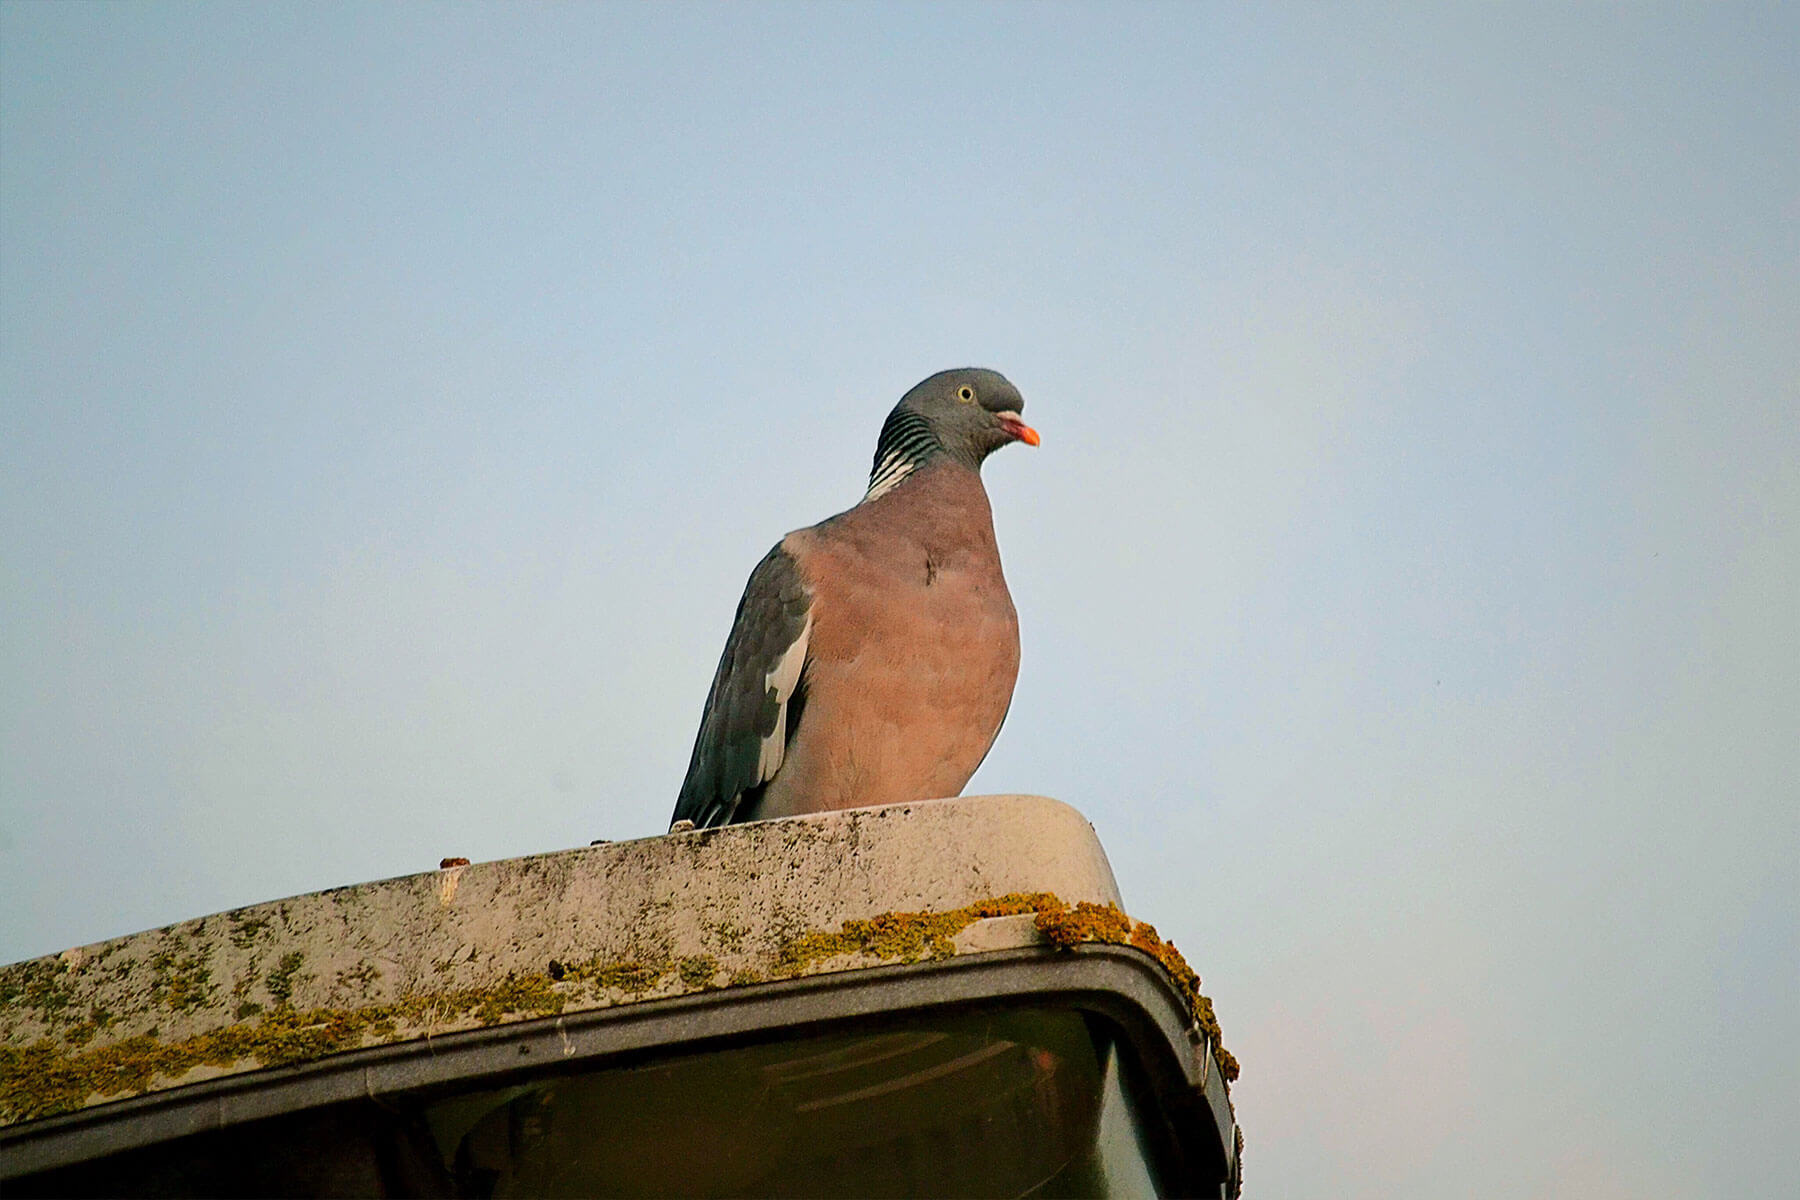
745 728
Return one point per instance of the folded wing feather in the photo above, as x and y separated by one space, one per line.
745 729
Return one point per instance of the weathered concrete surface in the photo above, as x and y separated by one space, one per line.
505 941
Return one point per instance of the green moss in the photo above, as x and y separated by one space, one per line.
698 972
245 930
529 993
358 980
98 1019
40 985
180 979
286 974
246 980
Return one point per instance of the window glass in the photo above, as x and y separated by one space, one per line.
1004 1102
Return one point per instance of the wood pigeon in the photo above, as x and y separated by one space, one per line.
873 655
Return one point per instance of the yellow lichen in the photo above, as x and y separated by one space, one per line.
1104 923
1084 923
698 972
906 936
41 1079
59 1074
629 976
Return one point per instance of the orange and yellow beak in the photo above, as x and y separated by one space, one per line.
1016 427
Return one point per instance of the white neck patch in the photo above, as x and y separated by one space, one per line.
888 473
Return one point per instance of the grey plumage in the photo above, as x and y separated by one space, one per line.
742 709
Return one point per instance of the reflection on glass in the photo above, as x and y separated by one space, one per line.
1022 1102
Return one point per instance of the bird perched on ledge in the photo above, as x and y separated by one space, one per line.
873 655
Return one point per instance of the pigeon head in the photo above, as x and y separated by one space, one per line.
965 415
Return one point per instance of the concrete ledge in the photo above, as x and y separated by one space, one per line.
496 943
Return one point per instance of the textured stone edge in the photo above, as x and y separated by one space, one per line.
48 1078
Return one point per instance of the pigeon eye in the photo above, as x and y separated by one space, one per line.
966 394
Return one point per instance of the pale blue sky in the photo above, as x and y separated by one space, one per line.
393 401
